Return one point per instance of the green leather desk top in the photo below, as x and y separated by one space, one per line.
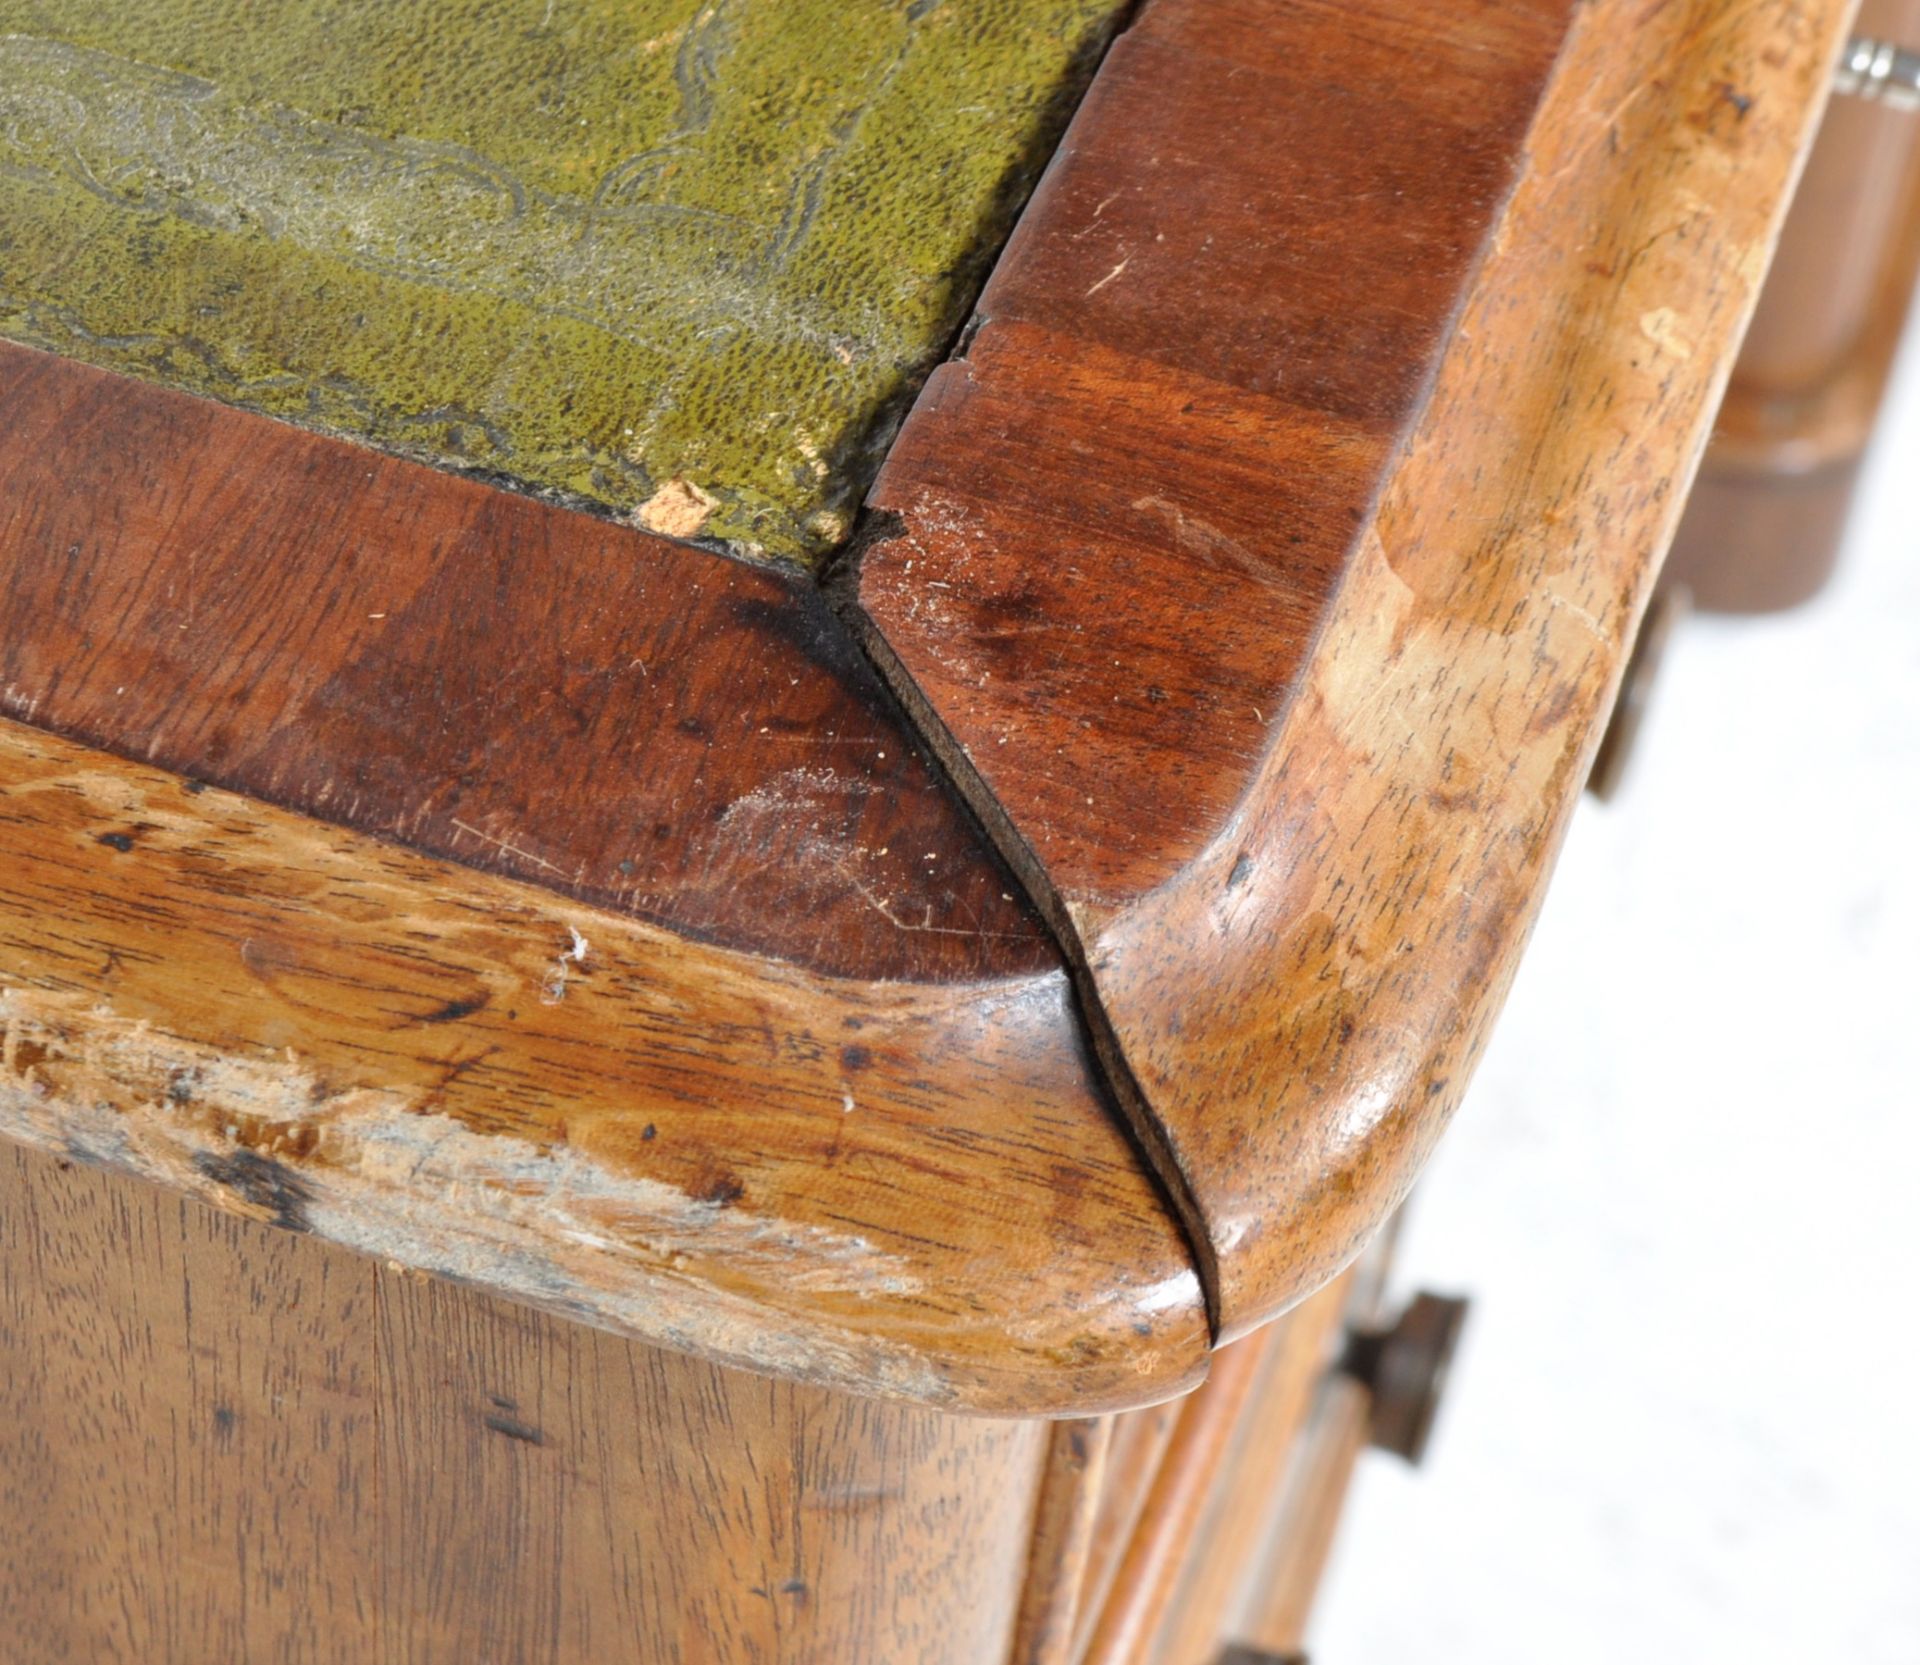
685 261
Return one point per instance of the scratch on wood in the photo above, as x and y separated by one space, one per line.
502 844
263 1137
1108 278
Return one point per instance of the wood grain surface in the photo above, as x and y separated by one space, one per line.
1224 1558
1261 573
1765 517
523 689
905 1190
185 1434
1139 1447
1216 1485
1122 511
221 1442
1168 1528
1265 568
1072 1496
1277 1606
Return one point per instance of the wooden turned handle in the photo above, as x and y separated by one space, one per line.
1404 1369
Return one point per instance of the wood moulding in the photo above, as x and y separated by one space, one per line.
477 675
1264 571
911 1190
389 857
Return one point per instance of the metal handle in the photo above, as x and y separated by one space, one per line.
1880 70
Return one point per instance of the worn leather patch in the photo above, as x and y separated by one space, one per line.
686 261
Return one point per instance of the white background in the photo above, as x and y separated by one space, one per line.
1684 1190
